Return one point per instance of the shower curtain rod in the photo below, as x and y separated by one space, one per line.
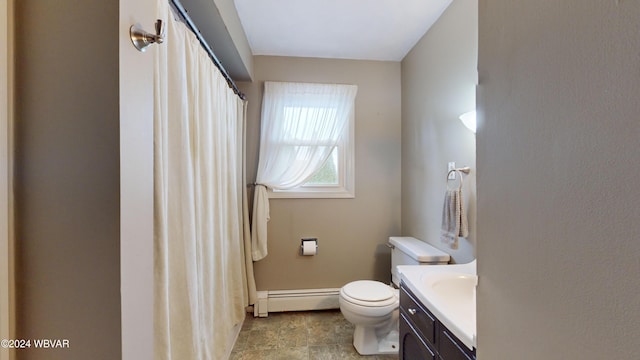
192 26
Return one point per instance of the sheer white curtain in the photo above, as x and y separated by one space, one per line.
301 125
201 282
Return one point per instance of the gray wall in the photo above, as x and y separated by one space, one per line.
558 231
351 232
67 177
219 23
438 84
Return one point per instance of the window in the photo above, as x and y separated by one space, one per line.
335 178
306 144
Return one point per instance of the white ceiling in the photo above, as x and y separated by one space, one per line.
344 29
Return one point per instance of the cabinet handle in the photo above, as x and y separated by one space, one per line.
412 311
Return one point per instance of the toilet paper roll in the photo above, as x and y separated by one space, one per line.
309 248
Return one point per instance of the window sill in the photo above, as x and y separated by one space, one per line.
311 194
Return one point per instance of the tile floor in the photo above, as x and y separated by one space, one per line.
312 335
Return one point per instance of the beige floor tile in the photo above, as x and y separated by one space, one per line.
297 353
292 337
311 335
262 339
323 352
248 355
322 334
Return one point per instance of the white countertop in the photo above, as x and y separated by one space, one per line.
458 316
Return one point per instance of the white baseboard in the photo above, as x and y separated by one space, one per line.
296 300
233 338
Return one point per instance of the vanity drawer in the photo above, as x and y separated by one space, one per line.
422 319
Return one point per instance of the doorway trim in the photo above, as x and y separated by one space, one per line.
7 284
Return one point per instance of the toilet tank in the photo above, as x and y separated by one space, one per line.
407 250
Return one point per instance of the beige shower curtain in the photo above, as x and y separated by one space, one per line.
203 279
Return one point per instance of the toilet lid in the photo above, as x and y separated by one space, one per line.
368 290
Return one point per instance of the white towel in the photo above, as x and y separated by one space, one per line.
259 223
454 220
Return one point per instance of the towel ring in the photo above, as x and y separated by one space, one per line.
460 171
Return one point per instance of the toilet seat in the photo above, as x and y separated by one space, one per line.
369 293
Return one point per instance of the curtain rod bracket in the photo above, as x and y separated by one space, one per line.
142 39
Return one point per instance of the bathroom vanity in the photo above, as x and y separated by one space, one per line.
423 336
437 312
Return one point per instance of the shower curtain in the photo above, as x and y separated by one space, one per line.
203 278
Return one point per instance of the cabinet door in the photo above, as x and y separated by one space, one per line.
411 346
450 349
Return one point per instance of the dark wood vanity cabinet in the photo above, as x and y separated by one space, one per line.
412 346
422 336
450 348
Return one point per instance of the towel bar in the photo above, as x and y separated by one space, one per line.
462 170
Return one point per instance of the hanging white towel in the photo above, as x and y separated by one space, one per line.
454 219
259 223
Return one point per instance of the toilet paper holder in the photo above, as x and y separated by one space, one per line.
302 241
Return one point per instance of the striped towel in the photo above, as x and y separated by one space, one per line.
454 220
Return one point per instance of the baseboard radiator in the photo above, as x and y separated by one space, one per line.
296 300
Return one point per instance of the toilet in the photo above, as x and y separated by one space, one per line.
372 306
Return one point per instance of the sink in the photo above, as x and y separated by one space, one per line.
451 285
454 294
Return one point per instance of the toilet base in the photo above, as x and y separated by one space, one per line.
368 342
